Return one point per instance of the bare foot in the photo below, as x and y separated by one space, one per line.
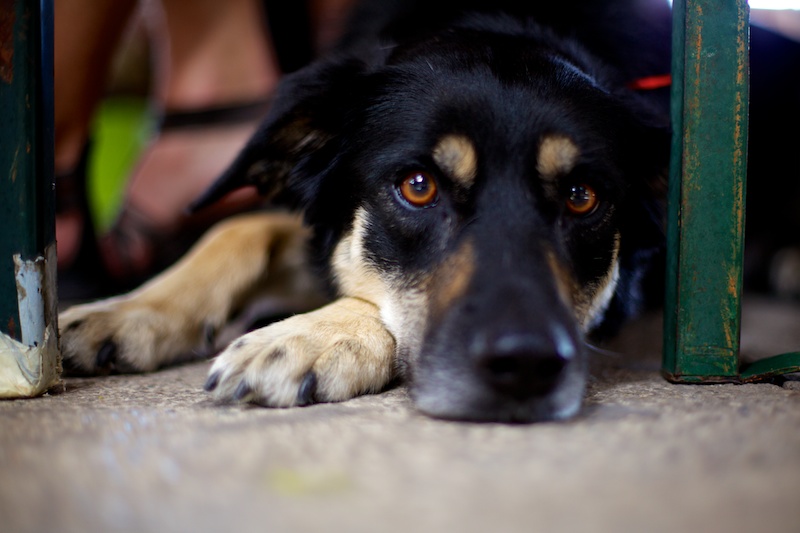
180 165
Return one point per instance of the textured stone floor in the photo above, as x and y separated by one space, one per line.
150 453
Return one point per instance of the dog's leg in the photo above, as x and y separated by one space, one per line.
334 353
177 313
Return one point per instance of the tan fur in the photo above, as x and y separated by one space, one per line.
565 284
403 310
345 344
412 307
354 276
590 301
456 155
557 156
406 317
451 279
170 317
601 293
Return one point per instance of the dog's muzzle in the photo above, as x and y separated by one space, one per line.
508 355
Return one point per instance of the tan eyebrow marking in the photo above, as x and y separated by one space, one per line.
557 155
455 154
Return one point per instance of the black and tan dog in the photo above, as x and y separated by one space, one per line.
480 189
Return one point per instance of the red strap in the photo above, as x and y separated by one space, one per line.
648 83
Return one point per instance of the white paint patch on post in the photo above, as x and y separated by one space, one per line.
31 367
30 300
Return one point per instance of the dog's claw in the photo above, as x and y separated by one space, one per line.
106 355
242 392
308 387
212 382
71 367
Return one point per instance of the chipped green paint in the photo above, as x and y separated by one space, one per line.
706 216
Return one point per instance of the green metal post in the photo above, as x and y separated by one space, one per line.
705 230
29 358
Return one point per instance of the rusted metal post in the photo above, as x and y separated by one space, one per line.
29 357
706 215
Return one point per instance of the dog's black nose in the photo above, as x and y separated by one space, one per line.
524 366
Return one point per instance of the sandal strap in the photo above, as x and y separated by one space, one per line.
129 247
216 115
132 224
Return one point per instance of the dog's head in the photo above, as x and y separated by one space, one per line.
489 191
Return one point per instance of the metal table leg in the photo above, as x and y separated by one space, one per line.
707 196
29 357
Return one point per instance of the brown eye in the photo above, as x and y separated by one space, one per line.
419 189
582 200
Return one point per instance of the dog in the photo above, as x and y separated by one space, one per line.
462 192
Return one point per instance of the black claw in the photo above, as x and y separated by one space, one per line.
71 367
210 334
242 391
106 355
212 381
307 390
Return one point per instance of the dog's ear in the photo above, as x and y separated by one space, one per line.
643 217
289 154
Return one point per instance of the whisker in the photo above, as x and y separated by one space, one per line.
601 351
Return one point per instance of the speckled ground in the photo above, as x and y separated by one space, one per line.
150 453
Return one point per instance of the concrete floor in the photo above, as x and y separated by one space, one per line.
150 453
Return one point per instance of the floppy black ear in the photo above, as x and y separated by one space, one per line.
642 259
289 154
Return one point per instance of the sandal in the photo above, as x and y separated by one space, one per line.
136 248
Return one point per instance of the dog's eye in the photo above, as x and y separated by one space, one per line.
419 189
582 200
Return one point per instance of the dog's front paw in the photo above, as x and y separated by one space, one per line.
332 354
125 335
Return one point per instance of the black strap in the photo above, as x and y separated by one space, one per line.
215 116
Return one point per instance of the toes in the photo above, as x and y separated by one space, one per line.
264 367
78 359
271 377
234 386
